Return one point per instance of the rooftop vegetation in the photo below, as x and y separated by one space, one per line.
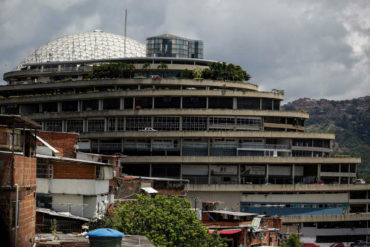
216 71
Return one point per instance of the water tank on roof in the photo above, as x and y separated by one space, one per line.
105 237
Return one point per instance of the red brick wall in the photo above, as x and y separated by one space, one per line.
27 216
63 142
24 171
27 219
73 170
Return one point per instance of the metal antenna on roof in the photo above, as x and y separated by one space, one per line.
124 46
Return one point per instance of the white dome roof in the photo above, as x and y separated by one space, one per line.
86 46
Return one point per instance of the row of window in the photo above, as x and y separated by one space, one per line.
151 103
153 124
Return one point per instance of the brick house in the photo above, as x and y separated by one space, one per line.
67 182
17 180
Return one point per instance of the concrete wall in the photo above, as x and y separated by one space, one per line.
299 198
228 200
72 186
68 203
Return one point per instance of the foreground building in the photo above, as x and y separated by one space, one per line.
230 140
70 182
17 181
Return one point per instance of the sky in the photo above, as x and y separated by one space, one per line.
312 49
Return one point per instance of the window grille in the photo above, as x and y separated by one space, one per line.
75 126
53 125
95 125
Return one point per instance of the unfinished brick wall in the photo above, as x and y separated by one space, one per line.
63 142
24 171
73 170
27 218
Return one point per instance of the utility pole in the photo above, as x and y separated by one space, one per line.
124 47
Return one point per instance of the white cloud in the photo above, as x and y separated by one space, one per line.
311 49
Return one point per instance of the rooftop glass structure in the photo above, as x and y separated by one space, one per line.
168 45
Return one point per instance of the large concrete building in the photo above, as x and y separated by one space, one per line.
230 140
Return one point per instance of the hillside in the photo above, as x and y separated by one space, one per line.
349 119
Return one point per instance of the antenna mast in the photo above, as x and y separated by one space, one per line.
124 47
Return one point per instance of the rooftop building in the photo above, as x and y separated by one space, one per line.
186 118
168 45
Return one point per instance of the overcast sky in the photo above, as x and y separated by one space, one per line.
315 49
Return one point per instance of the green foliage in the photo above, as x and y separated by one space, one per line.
53 226
197 73
293 241
146 65
165 221
113 70
187 74
225 72
162 66
282 92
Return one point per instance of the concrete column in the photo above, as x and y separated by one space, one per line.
206 102
100 107
20 109
84 125
260 103
121 103
209 146
106 124
98 145
64 126
293 173
79 106
152 102
180 171
180 144
272 104
122 141
133 103
150 170
181 101
40 108
2 109
267 174
340 174
124 124
180 123
318 171
235 104
59 106
239 174
209 173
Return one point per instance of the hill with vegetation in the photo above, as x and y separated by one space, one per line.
348 119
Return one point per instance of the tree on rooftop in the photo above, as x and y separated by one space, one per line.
165 221
162 66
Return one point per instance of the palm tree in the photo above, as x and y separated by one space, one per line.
162 66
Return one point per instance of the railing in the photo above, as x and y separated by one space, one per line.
137 146
165 146
197 180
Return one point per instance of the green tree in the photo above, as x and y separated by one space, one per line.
197 73
146 66
165 221
163 67
293 241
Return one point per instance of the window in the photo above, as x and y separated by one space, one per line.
44 169
75 126
95 125
166 123
53 125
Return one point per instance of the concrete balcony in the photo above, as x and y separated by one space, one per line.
312 231
338 174
72 186
326 218
277 187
